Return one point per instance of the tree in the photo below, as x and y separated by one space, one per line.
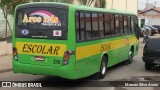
86 2
98 3
65 1
8 6
11 4
101 3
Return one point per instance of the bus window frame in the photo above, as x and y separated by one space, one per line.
90 25
107 36
129 23
121 24
118 29
104 27
93 25
98 16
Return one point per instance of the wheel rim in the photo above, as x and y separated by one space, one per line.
103 68
130 56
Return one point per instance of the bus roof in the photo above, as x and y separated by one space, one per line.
83 7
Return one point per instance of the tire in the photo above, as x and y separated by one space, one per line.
130 59
103 68
148 66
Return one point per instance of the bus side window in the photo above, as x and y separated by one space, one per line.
88 25
129 24
101 25
112 24
125 24
136 27
107 25
80 30
117 26
95 25
121 25
135 23
77 27
132 24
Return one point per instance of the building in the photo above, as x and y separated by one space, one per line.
152 16
124 5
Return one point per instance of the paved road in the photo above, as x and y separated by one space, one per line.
132 72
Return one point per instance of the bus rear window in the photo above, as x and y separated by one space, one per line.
49 23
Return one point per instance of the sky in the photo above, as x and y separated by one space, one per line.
142 3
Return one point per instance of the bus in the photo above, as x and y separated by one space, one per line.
72 41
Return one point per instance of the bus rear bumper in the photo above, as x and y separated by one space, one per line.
63 71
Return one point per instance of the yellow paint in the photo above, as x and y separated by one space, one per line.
89 50
82 51
37 49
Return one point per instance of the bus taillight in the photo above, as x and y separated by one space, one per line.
66 57
15 53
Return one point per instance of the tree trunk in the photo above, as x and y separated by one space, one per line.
4 13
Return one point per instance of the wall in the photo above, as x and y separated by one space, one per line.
152 17
153 21
5 48
125 5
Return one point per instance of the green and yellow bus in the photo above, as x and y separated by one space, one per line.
71 41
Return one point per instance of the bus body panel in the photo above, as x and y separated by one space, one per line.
51 51
89 53
26 62
86 60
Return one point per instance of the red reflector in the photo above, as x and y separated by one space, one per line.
15 53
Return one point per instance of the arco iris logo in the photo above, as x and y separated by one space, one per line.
41 16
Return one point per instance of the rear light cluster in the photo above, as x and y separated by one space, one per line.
15 53
66 57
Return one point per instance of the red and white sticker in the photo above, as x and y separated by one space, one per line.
57 33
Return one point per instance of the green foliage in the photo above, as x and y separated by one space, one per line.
67 1
86 2
63 1
11 4
103 3
100 3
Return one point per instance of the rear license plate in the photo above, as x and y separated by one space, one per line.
157 61
39 58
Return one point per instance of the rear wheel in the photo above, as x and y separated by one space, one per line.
130 59
103 68
148 66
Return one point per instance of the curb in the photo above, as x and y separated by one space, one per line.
7 70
